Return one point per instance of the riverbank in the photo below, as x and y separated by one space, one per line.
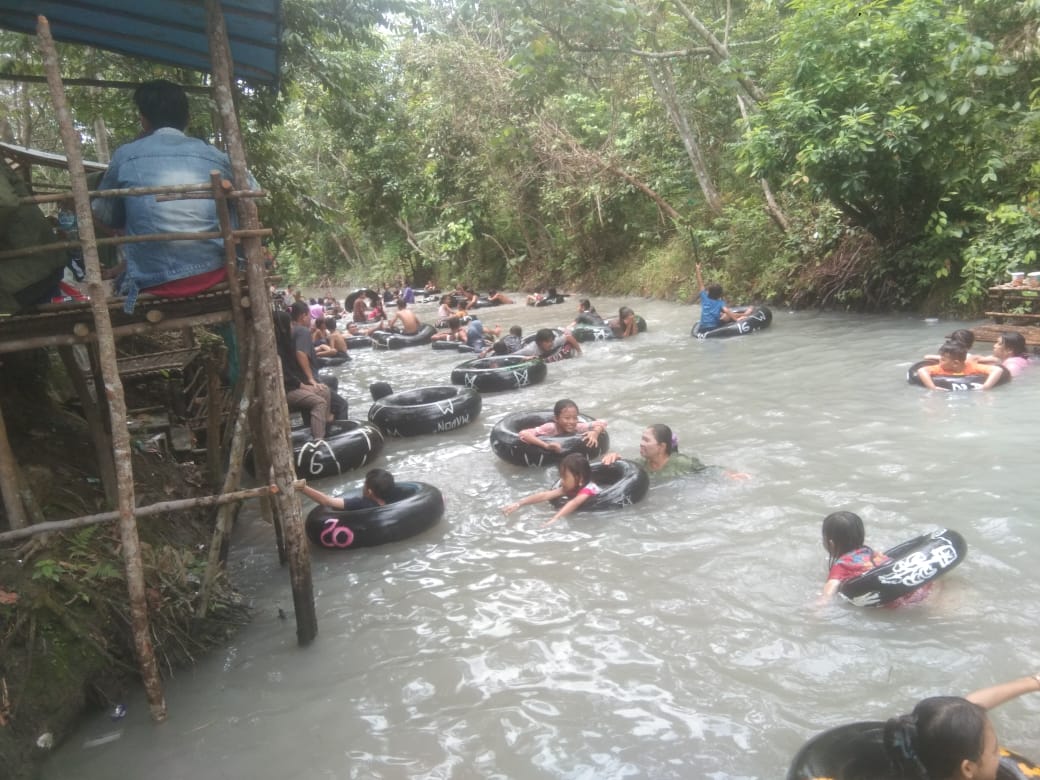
66 648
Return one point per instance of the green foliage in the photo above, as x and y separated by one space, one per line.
886 109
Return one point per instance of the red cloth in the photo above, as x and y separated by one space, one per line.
191 285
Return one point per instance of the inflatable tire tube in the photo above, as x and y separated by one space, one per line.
957 382
760 319
562 353
443 345
432 409
415 507
352 298
584 333
505 440
482 303
358 342
620 484
492 374
857 750
392 340
913 563
348 445
328 361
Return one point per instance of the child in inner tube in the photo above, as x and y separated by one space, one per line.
565 422
379 486
714 311
843 539
953 362
576 486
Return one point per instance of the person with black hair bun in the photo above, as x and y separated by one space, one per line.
950 737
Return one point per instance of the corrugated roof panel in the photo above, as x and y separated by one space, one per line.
168 31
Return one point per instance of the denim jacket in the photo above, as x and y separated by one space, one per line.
165 157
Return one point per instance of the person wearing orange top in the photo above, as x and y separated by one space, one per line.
953 362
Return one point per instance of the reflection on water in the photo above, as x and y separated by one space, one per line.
674 639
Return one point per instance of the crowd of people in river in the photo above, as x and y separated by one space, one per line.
943 738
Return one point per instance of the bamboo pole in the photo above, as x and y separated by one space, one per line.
222 529
214 461
87 336
271 389
113 386
9 481
95 424
162 508
161 192
37 249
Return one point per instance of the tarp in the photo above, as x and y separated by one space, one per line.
168 31
24 154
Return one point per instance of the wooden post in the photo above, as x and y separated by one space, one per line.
222 529
9 480
95 424
269 376
214 413
113 385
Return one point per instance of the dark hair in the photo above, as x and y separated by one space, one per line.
544 334
954 349
516 330
663 435
1015 342
446 299
298 309
962 336
845 529
286 351
380 482
454 323
714 291
577 464
585 305
931 742
551 292
162 103
563 403
623 312
500 348
402 303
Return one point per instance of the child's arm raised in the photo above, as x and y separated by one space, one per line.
700 280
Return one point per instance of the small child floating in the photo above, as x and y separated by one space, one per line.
969 376
910 566
410 509
507 444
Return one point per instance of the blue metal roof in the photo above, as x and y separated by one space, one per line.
168 31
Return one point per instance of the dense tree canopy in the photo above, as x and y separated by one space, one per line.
879 154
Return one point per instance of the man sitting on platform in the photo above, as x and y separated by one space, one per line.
164 156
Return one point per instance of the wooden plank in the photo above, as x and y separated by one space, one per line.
990 332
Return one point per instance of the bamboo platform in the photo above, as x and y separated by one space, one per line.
991 331
63 324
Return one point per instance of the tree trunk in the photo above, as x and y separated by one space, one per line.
665 89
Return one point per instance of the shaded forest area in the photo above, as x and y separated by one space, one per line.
872 156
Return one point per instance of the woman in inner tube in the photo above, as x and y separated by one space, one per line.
379 483
565 422
949 737
953 361
660 456
844 541
1010 351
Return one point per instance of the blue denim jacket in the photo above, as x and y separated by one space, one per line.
165 157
